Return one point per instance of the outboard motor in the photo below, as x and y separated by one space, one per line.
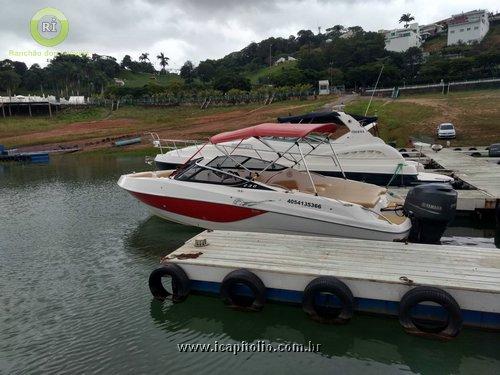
430 207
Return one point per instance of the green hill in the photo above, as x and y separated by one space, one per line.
268 71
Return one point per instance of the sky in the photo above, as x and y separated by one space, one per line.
196 29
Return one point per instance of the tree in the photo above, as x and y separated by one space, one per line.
412 58
335 31
305 37
228 81
126 62
34 78
187 71
9 81
206 70
163 62
287 76
144 56
406 18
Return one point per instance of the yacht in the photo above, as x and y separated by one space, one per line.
363 157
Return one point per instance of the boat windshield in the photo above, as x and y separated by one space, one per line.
223 170
243 162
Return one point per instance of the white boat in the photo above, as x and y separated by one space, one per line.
235 191
363 157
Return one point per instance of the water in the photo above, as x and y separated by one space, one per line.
75 255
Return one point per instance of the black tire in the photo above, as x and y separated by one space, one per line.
180 283
332 285
430 294
251 281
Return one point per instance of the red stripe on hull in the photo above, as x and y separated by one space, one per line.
217 212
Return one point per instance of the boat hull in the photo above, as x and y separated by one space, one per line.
251 211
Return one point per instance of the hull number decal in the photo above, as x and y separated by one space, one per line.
305 204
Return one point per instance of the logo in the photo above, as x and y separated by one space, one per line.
49 27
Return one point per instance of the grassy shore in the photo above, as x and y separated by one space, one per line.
183 122
475 114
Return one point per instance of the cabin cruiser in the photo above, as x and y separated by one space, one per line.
237 191
363 156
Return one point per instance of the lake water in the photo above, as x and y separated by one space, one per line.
75 256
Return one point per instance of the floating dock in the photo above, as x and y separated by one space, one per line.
31 157
480 176
378 273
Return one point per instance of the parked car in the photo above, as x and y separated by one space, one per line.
446 130
494 150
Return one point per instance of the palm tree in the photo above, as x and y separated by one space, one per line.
406 18
163 62
144 56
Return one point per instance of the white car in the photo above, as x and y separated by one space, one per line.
446 130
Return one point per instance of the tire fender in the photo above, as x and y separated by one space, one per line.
328 284
430 294
251 281
180 282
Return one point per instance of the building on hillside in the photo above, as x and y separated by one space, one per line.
399 40
282 60
348 34
324 87
430 30
468 27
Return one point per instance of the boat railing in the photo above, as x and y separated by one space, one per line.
173 144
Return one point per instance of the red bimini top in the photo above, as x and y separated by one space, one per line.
273 130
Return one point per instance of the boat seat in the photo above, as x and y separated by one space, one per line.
366 195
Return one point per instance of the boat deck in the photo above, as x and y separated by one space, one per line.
378 273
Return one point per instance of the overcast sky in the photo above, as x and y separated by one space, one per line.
197 29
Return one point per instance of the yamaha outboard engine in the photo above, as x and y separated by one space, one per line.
430 207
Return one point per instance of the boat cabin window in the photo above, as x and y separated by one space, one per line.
236 162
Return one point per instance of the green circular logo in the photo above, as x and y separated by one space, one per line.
49 27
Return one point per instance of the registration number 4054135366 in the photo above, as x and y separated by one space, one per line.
305 204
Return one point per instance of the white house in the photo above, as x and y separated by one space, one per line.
399 40
468 27
430 30
282 60
348 34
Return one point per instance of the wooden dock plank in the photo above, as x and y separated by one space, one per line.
466 268
479 173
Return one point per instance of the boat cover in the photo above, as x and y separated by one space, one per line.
273 130
323 117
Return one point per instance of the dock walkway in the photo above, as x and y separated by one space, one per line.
378 273
477 173
480 174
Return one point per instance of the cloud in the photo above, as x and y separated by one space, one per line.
201 29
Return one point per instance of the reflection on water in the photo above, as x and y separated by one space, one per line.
374 342
76 252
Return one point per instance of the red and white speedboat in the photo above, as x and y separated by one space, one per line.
244 193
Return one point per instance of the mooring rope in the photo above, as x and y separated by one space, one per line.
396 172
